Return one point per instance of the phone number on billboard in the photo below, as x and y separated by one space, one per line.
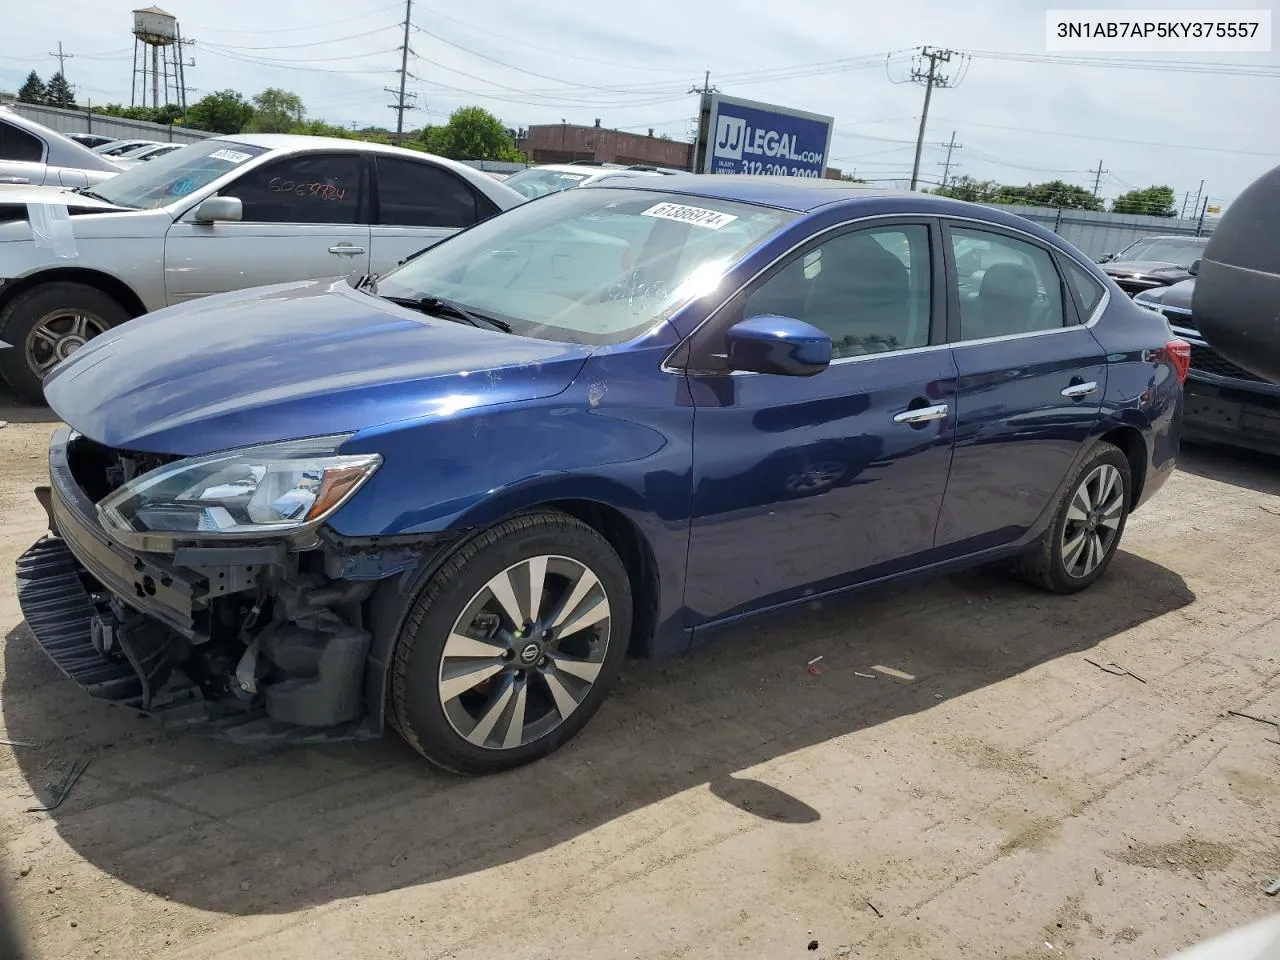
756 168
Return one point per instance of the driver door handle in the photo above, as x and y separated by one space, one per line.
922 414
346 249
1078 390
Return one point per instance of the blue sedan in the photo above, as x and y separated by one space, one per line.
455 497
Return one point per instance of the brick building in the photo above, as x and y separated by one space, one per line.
563 142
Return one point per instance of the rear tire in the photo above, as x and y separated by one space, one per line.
45 325
1087 526
486 677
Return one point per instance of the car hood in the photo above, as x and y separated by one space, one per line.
24 194
1156 268
288 361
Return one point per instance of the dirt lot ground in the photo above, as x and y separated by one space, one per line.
990 793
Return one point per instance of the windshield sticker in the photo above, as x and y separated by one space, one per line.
51 229
697 216
231 156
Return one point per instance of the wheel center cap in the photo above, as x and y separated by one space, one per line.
70 345
530 653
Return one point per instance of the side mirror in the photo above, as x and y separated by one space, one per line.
1106 258
217 209
1194 269
779 345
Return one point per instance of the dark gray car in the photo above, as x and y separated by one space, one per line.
1224 403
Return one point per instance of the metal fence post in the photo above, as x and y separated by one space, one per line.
1057 219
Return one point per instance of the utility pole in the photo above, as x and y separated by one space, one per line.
1186 197
930 78
401 105
1200 223
702 139
62 59
946 167
1097 180
1196 205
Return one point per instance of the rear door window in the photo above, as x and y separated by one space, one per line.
19 145
415 193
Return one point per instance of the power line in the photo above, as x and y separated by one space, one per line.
1094 136
297 46
1132 63
298 28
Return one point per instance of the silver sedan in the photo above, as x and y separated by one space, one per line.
218 215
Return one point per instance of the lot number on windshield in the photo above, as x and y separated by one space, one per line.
697 216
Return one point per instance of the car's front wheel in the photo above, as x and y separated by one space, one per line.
511 645
45 325
1087 526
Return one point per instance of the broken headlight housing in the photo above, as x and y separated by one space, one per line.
272 488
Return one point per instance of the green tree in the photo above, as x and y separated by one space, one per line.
971 190
33 90
1153 201
318 128
169 113
224 111
1054 193
276 111
472 133
59 92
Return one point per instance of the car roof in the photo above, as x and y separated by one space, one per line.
493 189
800 194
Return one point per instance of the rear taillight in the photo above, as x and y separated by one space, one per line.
1178 353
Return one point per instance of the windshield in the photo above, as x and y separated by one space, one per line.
1164 250
536 182
593 266
174 175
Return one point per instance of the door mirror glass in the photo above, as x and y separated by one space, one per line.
779 345
1194 269
217 209
1106 258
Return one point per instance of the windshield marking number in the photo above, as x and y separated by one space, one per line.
696 216
231 156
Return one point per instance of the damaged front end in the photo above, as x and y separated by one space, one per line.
201 589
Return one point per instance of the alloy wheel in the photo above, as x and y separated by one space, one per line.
525 652
59 334
1093 521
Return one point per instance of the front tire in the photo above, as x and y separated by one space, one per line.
45 325
491 673
1087 526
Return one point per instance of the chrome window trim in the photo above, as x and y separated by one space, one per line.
1094 317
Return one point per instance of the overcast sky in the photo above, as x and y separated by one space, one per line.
631 65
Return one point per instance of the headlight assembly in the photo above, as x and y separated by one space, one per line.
251 492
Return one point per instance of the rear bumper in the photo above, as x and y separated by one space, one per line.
1238 417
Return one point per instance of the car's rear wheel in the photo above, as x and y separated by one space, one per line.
45 325
1087 526
511 645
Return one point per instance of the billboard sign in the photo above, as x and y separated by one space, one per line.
760 138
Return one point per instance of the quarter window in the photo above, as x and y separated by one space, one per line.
1087 289
413 193
19 145
312 188
869 290
1006 286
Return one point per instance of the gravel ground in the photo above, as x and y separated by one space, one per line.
990 793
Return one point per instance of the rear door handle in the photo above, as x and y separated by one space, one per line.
1078 390
922 414
346 249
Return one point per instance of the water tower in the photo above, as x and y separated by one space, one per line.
159 40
